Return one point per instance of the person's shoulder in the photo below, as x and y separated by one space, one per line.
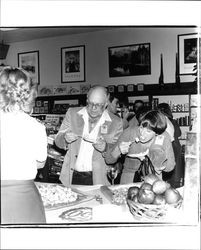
74 109
131 131
34 123
133 121
165 136
114 117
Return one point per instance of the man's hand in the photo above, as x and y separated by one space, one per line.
100 144
70 137
125 113
124 147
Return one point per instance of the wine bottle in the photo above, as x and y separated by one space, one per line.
161 77
177 78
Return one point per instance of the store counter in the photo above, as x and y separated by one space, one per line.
103 210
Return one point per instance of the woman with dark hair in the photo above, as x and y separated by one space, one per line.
23 149
149 138
175 177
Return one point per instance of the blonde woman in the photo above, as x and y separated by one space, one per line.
23 149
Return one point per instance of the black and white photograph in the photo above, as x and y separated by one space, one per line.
96 153
73 64
130 60
188 51
29 61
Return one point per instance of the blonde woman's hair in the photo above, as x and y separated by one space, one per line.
17 92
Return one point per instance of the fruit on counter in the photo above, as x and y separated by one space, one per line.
146 186
159 187
158 193
159 200
168 185
151 178
172 196
135 198
132 191
145 196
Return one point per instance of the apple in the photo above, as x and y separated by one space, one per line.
132 191
159 200
135 198
159 187
146 186
151 178
172 196
168 185
146 196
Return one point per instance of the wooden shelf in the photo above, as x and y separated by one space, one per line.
185 88
180 112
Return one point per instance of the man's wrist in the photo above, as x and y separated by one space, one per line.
116 152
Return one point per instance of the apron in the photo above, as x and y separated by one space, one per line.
21 203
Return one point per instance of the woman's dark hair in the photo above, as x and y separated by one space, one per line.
142 111
165 109
154 120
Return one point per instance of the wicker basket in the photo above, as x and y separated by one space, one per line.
150 211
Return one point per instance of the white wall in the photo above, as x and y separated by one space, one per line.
163 40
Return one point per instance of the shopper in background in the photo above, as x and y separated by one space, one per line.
175 177
138 104
119 106
113 104
86 132
23 149
148 139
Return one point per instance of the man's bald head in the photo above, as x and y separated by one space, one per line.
97 99
99 93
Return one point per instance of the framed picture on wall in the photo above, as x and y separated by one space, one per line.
129 60
73 64
29 61
187 51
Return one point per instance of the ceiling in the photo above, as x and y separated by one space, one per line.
9 35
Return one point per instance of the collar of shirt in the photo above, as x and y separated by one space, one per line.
105 116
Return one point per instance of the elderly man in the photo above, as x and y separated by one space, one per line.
85 133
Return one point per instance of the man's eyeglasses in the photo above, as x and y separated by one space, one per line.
96 105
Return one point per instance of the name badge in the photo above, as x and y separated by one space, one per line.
159 140
104 129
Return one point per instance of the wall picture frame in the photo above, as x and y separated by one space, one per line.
187 53
73 64
140 87
29 61
130 60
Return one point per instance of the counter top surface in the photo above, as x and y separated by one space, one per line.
104 212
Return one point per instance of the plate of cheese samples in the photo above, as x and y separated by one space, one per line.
56 196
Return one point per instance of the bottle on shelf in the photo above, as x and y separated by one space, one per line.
177 78
161 77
